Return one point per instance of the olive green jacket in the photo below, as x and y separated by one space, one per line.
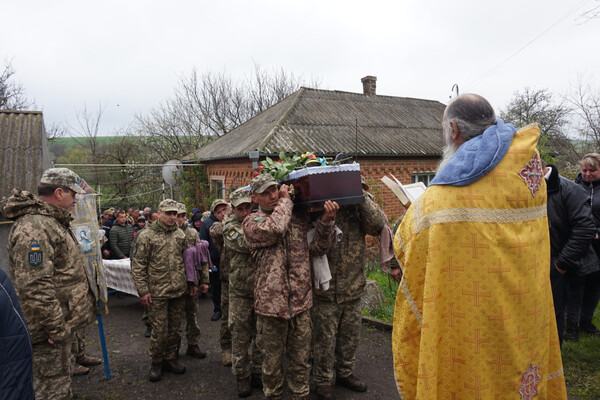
157 261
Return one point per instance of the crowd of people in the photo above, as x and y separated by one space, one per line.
499 262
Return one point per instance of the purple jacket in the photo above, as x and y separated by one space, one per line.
193 259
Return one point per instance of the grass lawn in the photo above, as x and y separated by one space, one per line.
581 360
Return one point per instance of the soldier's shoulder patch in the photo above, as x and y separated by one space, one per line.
233 235
35 254
258 219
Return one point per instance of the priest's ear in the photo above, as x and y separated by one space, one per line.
456 136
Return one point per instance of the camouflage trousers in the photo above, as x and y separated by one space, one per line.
225 333
78 347
246 358
275 336
336 335
52 370
165 318
192 330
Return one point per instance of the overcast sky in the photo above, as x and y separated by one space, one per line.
128 55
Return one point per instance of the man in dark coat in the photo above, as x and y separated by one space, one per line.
572 230
218 209
16 375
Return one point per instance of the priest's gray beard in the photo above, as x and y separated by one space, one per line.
449 147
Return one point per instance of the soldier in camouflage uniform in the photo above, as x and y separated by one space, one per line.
277 237
246 358
46 267
159 276
216 235
192 330
336 311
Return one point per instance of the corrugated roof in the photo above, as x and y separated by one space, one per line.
23 150
326 122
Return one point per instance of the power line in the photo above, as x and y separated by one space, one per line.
493 69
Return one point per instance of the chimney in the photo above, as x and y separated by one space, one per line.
369 85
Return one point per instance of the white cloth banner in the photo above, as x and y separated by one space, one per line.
118 276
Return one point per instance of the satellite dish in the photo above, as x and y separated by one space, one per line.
171 171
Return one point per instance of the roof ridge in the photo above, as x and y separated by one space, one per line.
282 120
20 112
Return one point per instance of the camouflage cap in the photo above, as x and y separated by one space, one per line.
261 182
181 208
168 205
240 196
62 177
217 202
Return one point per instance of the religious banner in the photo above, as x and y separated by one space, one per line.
86 230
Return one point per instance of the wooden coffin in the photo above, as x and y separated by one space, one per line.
315 185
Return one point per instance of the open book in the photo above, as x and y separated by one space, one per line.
405 193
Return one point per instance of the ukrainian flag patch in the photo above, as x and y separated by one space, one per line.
35 254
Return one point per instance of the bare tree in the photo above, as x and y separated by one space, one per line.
538 106
85 134
12 94
55 131
586 103
207 106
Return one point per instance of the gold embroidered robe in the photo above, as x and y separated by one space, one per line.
474 317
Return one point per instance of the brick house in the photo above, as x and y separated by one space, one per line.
385 134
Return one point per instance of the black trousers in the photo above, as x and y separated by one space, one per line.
558 282
215 289
591 296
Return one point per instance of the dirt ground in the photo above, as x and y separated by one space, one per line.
206 378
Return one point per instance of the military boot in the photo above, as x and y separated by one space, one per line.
194 351
155 372
79 370
226 357
324 392
88 361
351 382
174 366
243 387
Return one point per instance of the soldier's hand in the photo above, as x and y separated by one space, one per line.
193 290
329 210
50 341
284 192
203 288
146 300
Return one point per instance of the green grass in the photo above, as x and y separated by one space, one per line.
389 288
581 362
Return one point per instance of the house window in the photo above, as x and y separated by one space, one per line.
217 187
424 177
